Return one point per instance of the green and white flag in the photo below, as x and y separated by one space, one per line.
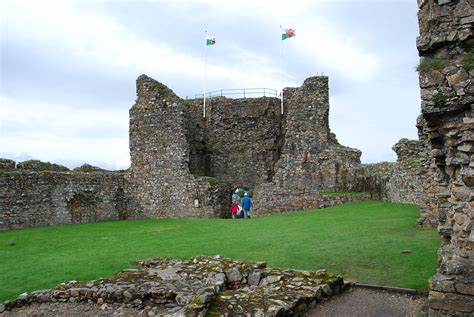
210 40
287 33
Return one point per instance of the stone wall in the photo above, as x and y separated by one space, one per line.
41 194
311 159
410 180
446 76
238 141
184 165
159 183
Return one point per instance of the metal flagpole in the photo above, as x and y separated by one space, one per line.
205 77
281 68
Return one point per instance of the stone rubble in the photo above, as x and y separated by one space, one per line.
194 287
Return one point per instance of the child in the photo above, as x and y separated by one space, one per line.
234 209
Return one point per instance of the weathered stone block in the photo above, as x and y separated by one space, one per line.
465 288
451 302
441 2
233 275
442 283
7 165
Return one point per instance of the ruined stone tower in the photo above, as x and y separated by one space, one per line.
159 181
185 165
311 158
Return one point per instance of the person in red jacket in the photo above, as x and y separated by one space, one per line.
234 209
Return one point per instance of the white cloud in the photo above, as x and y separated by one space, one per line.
57 133
102 42
87 39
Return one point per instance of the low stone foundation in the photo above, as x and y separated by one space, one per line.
194 287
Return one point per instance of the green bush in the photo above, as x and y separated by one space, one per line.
430 63
241 191
468 60
439 99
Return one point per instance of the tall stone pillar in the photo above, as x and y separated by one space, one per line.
446 76
311 158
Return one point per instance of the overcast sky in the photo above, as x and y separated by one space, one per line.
68 68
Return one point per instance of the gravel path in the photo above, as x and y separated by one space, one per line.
363 302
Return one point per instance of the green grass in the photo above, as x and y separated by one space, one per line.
359 240
341 193
468 59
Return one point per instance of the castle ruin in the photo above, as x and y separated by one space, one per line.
184 165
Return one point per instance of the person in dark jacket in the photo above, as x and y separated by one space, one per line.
247 205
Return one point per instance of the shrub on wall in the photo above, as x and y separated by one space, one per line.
430 63
468 60
439 99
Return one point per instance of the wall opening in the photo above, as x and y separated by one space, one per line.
83 207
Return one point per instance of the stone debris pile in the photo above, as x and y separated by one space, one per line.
195 287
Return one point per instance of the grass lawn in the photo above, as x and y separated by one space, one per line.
360 240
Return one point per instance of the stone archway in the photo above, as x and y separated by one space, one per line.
83 207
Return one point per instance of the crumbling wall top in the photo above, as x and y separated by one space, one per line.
149 90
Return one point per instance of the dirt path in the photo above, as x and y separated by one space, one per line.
362 302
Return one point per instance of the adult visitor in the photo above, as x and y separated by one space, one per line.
247 205
236 197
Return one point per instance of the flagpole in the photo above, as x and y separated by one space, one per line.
205 77
281 69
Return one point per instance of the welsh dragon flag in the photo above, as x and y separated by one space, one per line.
210 40
287 33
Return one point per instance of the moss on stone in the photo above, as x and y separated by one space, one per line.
87 168
430 63
468 60
213 181
41 166
342 193
412 163
439 99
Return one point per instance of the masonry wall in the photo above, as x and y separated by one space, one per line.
447 91
311 159
184 165
53 195
410 180
238 141
159 182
